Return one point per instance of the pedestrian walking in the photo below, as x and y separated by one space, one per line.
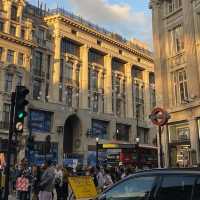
107 179
59 182
47 182
100 179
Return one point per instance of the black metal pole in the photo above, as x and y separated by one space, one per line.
97 153
7 172
160 144
137 136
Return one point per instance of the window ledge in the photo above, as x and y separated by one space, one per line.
173 13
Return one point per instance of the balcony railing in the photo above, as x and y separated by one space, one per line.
4 125
176 60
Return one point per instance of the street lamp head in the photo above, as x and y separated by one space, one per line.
137 140
97 139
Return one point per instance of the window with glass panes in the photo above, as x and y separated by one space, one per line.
13 30
1 53
38 63
8 82
173 5
23 33
180 86
68 94
95 57
176 40
48 66
1 26
18 79
68 72
6 112
70 47
36 89
20 58
14 13
94 79
10 56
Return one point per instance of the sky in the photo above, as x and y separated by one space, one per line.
129 18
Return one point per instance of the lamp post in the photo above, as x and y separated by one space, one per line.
97 151
137 140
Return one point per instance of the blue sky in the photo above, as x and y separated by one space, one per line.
130 18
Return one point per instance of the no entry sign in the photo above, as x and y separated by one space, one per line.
159 116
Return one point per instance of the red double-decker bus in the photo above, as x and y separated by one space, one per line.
142 156
137 155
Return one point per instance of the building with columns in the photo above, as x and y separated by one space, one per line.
176 34
84 81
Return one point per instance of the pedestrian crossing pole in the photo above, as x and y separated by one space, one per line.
7 172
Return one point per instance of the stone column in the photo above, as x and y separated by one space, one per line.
84 77
19 16
129 91
8 9
56 68
194 137
108 84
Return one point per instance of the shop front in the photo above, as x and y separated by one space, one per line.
180 152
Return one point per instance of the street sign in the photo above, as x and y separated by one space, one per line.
159 116
83 187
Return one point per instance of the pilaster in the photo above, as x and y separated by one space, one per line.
8 10
84 77
108 84
129 91
56 71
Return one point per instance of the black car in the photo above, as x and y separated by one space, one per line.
157 184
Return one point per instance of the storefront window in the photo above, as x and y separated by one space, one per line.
122 132
40 121
99 129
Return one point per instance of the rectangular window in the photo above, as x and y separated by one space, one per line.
10 56
61 70
70 47
1 53
41 121
18 79
13 30
8 82
36 89
95 57
6 112
14 13
23 34
94 79
180 86
20 58
47 91
48 66
122 132
68 72
173 5
69 93
1 26
95 102
38 63
176 40
99 129
137 73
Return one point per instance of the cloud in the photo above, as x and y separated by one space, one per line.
117 17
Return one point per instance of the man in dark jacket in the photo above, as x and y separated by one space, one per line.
47 182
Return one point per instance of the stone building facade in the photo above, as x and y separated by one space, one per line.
84 81
176 42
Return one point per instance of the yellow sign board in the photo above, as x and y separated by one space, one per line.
83 187
110 146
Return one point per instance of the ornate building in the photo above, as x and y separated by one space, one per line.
84 81
176 41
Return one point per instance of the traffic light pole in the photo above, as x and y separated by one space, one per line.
7 172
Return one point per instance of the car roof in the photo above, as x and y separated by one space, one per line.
163 171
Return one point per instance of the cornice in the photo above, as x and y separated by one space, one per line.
91 31
17 40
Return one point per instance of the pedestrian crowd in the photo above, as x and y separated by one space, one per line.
50 182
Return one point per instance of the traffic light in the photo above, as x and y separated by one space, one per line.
20 107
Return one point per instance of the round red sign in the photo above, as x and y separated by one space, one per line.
159 116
